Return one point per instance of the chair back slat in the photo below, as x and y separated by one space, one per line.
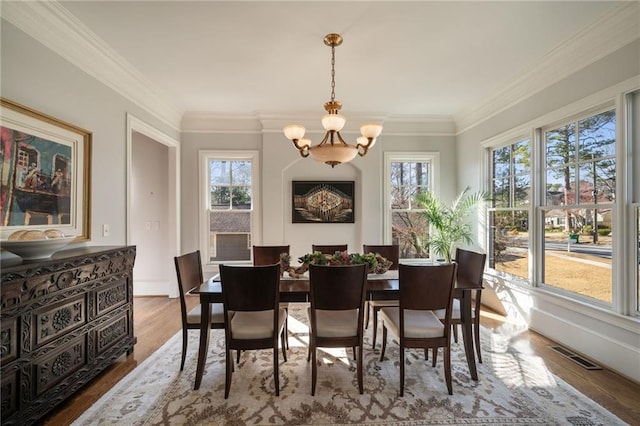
337 287
328 249
268 255
390 252
426 287
470 267
250 288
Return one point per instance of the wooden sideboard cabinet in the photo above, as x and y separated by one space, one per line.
64 320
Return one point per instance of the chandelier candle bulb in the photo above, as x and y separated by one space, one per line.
294 132
371 130
333 150
333 122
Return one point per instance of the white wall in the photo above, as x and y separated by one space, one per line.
608 337
35 77
153 268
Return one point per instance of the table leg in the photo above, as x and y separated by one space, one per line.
205 321
467 332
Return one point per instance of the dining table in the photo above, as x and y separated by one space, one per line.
296 289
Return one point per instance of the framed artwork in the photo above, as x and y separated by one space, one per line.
322 201
45 172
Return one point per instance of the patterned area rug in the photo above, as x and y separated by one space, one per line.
514 388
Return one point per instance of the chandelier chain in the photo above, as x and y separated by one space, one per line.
333 73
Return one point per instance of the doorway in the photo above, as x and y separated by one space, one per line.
152 207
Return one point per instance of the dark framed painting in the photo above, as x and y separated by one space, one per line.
45 173
322 201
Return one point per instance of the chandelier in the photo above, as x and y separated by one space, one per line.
333 150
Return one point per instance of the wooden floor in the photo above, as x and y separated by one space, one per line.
156 319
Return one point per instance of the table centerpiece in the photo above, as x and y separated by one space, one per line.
376 264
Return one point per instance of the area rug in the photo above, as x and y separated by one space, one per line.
514 388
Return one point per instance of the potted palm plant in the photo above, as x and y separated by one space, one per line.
448 225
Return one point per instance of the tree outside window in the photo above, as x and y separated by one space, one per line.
406 179
580 182
509 213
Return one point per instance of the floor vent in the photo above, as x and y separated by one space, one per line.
576 358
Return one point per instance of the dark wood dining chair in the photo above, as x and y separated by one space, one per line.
189 272
470 274
336 314
390 252
269 255
253 318
328 249
423 289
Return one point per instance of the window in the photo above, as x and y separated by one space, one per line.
509 214
579 173
228 213
407 175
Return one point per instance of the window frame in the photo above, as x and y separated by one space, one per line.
507 141
204 202
542 207
414 157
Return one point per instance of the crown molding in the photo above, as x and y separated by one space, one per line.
211 122
393 124
53 26
606 35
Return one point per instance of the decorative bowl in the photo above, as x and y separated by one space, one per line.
36 249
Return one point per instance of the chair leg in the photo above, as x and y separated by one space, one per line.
426 354
401 369
476 338
447 368
375 326
366 314
286 327
184 348
435 357
454 328
354 353
314 372
309 347
276 373
238 352
227 380
282 340
359 370
384 341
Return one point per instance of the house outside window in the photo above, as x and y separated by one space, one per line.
228 199
509 213
406 176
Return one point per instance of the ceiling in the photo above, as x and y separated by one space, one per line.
416 58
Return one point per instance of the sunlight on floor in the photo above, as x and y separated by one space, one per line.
299 337
511 354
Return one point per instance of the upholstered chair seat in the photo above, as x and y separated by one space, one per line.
217 314
335 323
255 325
417 324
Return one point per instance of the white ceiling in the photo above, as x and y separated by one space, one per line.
417 58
